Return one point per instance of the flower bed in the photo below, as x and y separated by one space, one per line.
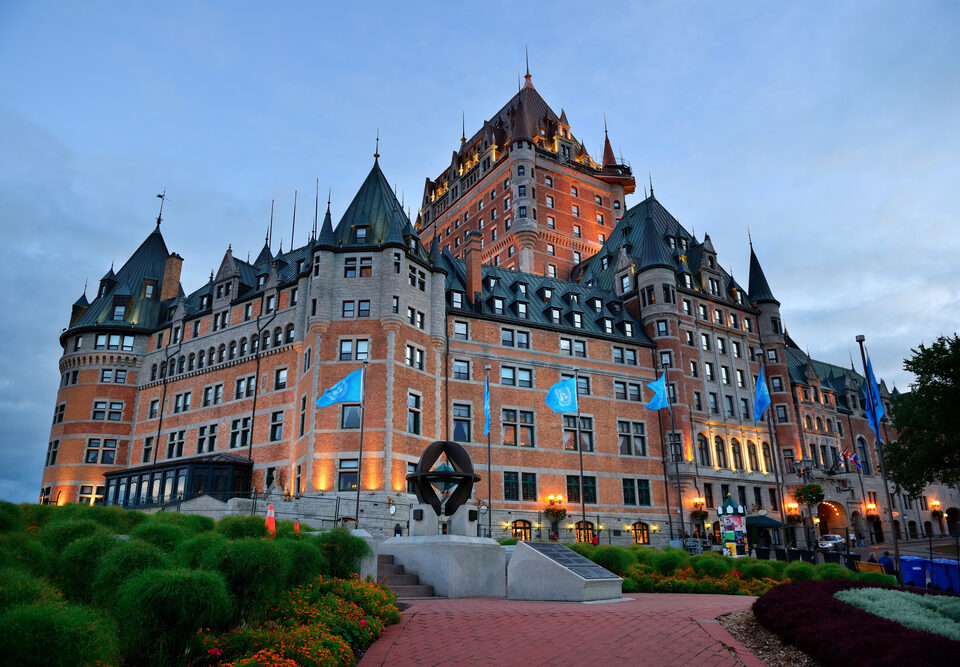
931 613
645 579
807 615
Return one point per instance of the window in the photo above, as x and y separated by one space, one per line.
570 429
725 374
461 369
589 489
781 414
106 375
632 438
528 486
354 350
721 452
119 312
511 486
276 426
240 432
744 409
303 416
708 371
349 309
737 350
624 356
461 330
175 444
212 395
575 210
714 404
694 372
772 356
574 348
109 410
703 451
666 359
413 413
737 455
626 391
461 422
731 412
347 476
663 328
206 439
705 342
414 357
518 427
417 278
552 270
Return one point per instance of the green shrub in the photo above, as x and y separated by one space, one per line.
834 571
79 561
615 559
37 516
669 560
162 610
375 599
877 578
778 567
190 552
236 526
24 551
10 517
751 568
164 535
19 588
193 523
255 571
272 644
114 519
710 566
342 552
581 548
286 529
127 559
306 560
507 541
58 535
643 554
629 586
56 634
799 571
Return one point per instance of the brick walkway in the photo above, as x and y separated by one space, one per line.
642 629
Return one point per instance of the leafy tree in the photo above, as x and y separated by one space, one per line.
927 420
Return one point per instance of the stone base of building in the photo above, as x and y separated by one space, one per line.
456 566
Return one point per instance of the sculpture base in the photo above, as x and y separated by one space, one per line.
456 566
538 576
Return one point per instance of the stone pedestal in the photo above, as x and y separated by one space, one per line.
428 523
463 522
456 566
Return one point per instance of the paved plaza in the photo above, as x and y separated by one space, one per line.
640 629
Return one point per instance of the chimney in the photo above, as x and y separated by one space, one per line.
171 277
471 256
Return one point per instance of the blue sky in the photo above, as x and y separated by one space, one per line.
829 129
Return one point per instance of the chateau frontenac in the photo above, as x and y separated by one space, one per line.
525 265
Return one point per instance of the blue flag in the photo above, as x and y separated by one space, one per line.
348 390
856 462
562 396
486 406
761 397
875 409
659 388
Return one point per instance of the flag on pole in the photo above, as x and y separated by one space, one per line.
486 405
856 462
875 409
562 396
761 397
659 388
348 390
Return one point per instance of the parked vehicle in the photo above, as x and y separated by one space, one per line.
830 542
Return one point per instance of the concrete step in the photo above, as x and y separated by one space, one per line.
384 559
389 568
418 591
393 580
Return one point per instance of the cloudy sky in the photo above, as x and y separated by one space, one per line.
830 129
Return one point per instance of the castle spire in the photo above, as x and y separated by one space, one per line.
608 157
528 80
376 153
463 128
162 197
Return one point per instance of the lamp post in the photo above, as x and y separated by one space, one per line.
804 470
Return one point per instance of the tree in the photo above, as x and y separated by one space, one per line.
927 420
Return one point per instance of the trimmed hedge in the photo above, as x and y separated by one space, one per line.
236 526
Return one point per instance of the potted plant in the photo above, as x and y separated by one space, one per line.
794 519
699 515
937 514
555 513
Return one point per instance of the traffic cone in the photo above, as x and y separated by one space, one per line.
296 527
271 522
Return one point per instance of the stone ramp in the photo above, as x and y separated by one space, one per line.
404 584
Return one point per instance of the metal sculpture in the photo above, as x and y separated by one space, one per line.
459 472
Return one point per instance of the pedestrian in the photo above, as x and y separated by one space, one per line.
887 562
872 559
595 541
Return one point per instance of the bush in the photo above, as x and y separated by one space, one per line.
19 588
342 552
24 551
127 559
114 519
799 571
11 518
629 586
255 571
342 617
79 561
507 541
709 566
581 548
375 599
164 535
236 526
615 559
190 552
57 634
36 516
755 569
162 610
311 646
58 535
877 578
669 560
306 561
193 523
285 529
834 571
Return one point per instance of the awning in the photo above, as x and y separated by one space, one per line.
763 522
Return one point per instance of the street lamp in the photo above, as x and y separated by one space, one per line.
804 470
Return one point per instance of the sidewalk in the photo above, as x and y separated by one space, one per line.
642 628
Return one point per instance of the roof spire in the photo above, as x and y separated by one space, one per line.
316 209
608 156
749 238
463 127
376 153
85 285
293 227
270 228
650 176
162 198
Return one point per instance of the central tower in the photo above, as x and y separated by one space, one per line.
540 201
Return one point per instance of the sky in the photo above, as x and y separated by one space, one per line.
830 129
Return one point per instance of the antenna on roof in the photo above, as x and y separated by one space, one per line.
316 209
293 227
376 153
162 198
644 191
848 352
280 251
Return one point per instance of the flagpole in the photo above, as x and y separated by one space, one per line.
883 464
486 371
583 503
774 450
674 455
363 396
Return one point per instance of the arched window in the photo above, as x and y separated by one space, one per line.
233 350
809 422
254 344
277 337
211 356
752 456
521 530
863 454
737 454
829 426
163 369
721 451
703 446
221 353
200 358
819 424
641 533
153 372
584 531
243 346
191 361
767 461
182 365
289 334
265 340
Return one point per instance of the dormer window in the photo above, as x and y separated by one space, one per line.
625 282
577 320
597 304
219 291
491 282
498 306
688 281
148 290
607 325
522 289
119 312
672 242
456 299
522 310
554 314
628 329
711 262
299 269
204 302
261 280
604 262
547 293
574 298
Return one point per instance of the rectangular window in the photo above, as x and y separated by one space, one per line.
350 415
518 427
781 414
632 438
175 444
461 330
280 379
461 422
347 475
206 439
528 486
570 429
276 426
414 357
461 369
511 486
413 413
348 309
643 492
629 492
240 432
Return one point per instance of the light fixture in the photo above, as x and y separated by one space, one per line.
935 503
792 506
871 506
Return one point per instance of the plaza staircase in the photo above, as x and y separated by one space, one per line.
403 584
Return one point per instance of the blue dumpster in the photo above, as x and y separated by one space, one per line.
914 571
945 575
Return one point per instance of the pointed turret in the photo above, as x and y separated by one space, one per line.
518 124
434 249
809 372
759 288
374 217
326 240
265 256
653 251
609 159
